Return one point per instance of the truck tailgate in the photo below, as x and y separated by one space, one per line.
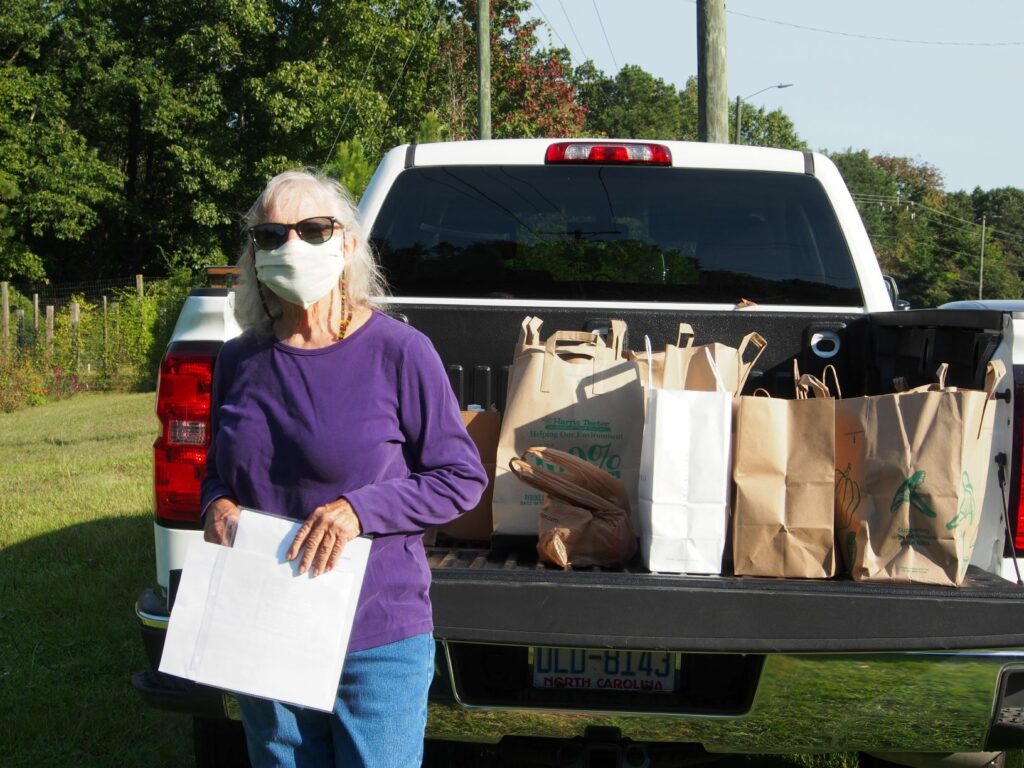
486 596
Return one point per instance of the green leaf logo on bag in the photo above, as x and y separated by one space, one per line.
966 513
907 494
847 497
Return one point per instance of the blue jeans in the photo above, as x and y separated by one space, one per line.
379 716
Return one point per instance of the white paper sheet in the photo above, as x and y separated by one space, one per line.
244 620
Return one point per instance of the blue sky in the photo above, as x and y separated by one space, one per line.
958 107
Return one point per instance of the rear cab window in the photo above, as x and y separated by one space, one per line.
587 233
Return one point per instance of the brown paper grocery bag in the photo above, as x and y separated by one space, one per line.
574 393
586 518
475 525
911 473
784 470
684 365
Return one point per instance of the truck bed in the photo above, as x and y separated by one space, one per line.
483 595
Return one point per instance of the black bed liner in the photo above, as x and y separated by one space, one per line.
493 596
486 596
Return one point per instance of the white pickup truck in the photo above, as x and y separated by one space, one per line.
473 236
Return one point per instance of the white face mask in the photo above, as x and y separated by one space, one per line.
302 273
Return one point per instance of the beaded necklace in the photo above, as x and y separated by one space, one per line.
346 311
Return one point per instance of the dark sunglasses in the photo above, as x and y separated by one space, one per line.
315 230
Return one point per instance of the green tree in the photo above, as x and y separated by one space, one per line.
53 186
761 128
632 105
901 238
184 110
688 101
1003 209
636 104
532 93
351 166
133 133
930 241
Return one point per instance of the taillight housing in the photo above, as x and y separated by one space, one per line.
608 153
179 453
1015 481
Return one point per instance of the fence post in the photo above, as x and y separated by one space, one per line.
139 286
75 336
49 329
5 308
19 322
115 311
106 337
35 315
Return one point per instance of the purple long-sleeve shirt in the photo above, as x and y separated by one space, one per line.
371 418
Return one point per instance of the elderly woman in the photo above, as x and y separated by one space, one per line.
329 411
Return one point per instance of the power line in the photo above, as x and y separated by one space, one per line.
344 120
398 80
401 73
869 198
873 37
550 25
603 32
1006 259
899 202
573 30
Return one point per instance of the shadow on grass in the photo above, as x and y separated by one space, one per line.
69 644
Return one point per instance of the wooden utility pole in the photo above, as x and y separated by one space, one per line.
5 310
712 73
981 267
483 45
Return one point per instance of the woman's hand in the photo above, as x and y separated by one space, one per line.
324 535
221 522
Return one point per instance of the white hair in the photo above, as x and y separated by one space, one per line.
362 278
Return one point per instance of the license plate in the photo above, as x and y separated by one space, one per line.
598 670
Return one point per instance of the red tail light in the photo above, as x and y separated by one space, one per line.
608 153
183 406
1016 479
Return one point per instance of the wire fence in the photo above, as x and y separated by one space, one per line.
100 334
62 294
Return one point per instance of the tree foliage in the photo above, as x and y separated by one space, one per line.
134 133
532 93
52 182
927 239
633 104
760 128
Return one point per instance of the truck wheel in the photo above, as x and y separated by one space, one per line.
219 743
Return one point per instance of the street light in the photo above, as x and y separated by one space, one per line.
739 106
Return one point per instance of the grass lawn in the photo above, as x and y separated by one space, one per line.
76 547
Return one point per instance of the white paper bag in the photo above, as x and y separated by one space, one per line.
684 480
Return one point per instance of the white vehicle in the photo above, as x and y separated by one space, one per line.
475 235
